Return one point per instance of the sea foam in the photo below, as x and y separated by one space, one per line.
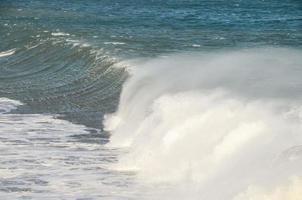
213 125
7 105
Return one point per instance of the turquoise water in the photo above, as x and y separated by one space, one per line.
140 99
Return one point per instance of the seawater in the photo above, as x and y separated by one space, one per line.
150 100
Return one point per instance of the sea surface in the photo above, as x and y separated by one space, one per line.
150 99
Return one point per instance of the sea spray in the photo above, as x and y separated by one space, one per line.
220 122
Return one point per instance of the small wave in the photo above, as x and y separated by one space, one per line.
60 34
196 45
115 43
6 105
7 53
79 43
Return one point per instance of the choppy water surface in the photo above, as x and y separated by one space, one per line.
47 158
150 99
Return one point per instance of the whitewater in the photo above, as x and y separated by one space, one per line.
150 100
223 125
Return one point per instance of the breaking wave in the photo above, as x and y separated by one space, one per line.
214 125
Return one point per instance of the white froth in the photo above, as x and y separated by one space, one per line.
195 45
289 191
44 158
7 53
115 43
7 105
60 34
214 124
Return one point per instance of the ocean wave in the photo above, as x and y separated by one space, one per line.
212 125
62 75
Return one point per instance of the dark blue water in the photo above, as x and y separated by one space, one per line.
71 59
153 27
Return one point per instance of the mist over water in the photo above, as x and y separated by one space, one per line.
223 125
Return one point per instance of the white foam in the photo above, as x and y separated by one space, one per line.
7 105
79 43
43 157
212 125
7 53
115 43
289 191
60 34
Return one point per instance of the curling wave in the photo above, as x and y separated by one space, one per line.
57 73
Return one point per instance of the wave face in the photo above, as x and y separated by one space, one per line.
59 74
214 125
